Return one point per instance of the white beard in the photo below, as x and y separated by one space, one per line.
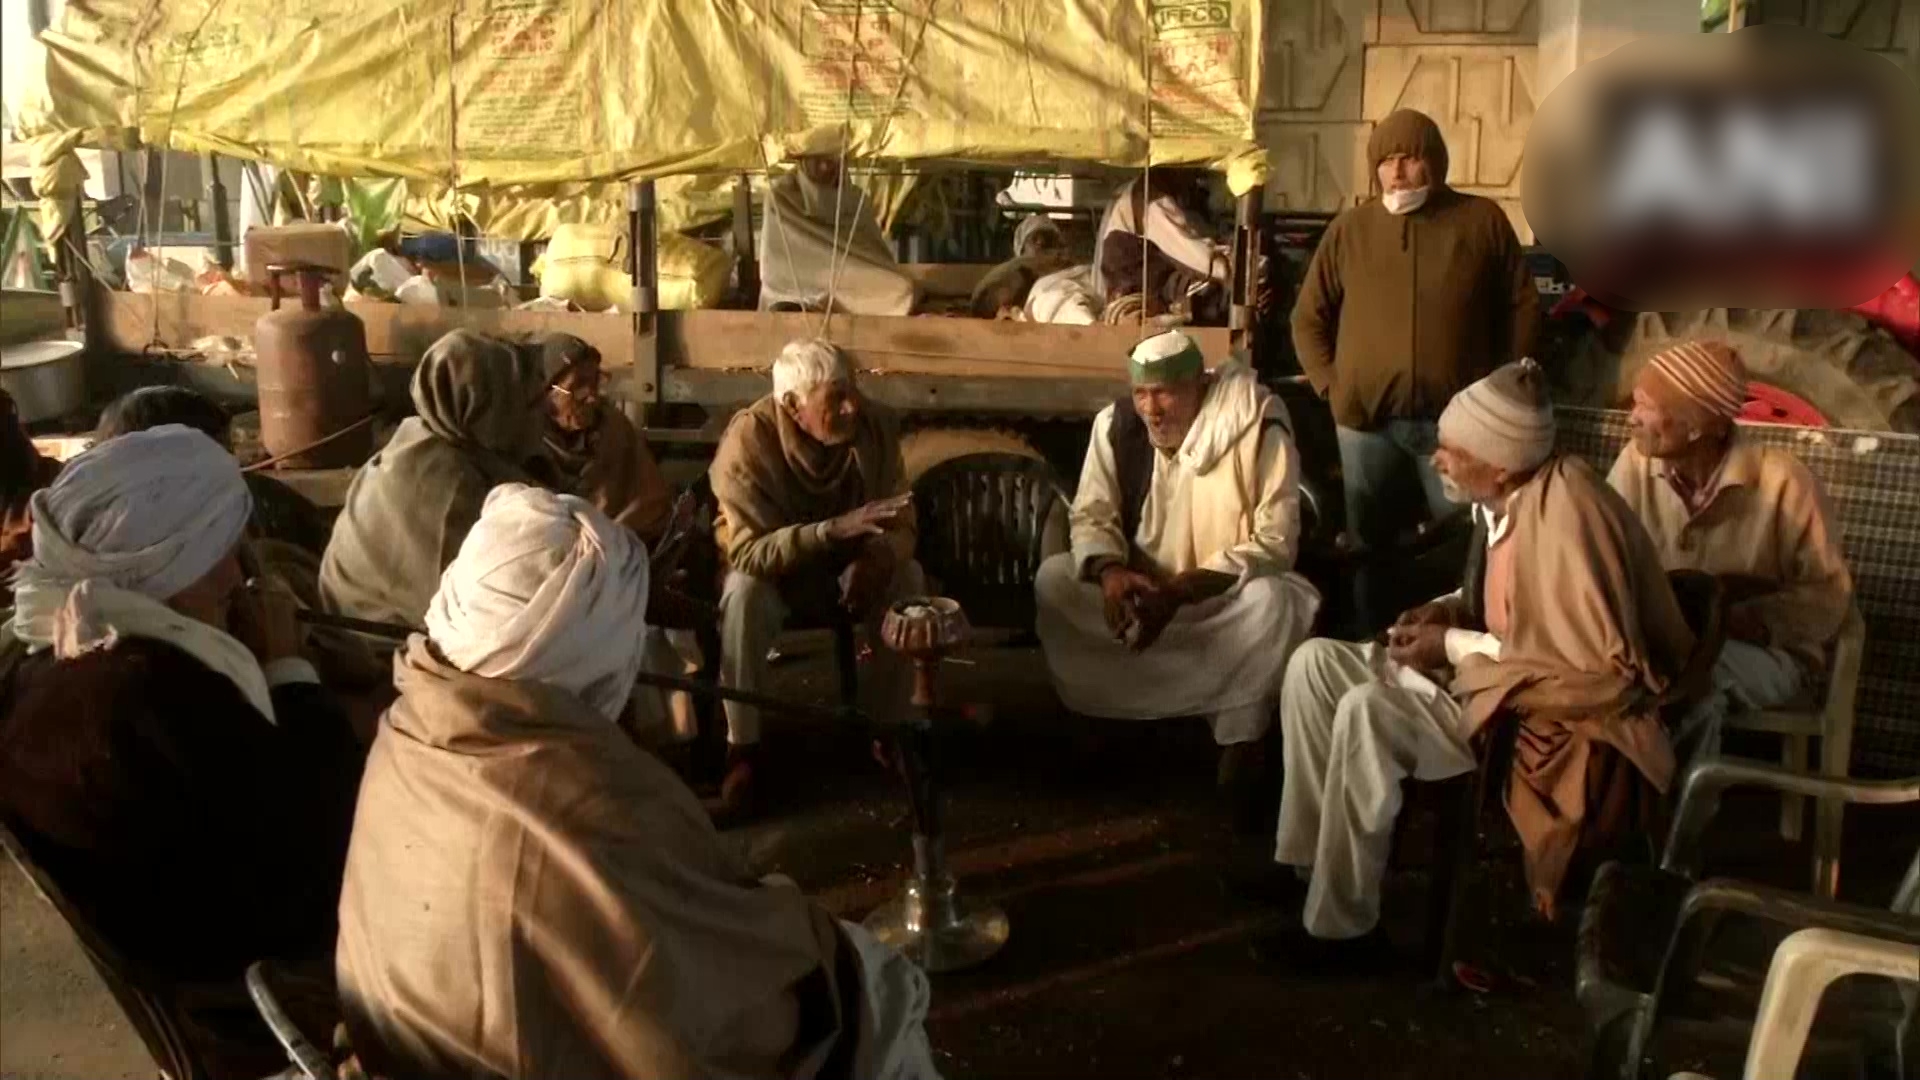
1454 492
1405 202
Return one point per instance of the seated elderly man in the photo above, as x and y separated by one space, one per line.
1178 598
479 404
1039 249
1566 620
821 242
1717 502
165 753
594 448
1155 244
529 894
815 516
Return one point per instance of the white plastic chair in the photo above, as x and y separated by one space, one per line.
1832 723
1806 963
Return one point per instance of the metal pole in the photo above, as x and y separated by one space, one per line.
644 266
71 269
222 224
745 257
1246 268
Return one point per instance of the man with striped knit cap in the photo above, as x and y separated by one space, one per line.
1718 502
1565 619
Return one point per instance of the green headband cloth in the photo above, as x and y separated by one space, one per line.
1163 358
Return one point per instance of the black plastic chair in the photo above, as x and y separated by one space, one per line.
1660 954
147 1001
986 523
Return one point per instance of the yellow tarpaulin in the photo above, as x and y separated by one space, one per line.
468 95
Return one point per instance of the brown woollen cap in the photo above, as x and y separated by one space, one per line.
1410 132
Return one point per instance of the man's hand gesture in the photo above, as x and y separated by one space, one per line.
1119 589
872 519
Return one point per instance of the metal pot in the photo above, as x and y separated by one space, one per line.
46 378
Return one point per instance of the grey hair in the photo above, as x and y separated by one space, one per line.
805 364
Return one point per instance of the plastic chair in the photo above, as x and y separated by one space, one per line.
1804 966
147 1001
1658 952
987 521
1832 721
307 1060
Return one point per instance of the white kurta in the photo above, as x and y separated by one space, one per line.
1228 501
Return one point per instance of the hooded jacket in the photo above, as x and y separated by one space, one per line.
1400 312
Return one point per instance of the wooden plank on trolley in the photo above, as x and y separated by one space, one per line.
396 333
923 345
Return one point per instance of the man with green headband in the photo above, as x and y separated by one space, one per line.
1179 597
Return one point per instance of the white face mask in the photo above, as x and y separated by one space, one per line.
1405 202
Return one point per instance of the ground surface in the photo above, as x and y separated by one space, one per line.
1127 958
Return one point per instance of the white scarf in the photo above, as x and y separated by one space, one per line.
96 614
546 588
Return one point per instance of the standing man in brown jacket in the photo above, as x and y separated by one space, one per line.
1410 297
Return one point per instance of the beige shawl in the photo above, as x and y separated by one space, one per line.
480 403
1595 640
530 894
776 484
612 468
810 250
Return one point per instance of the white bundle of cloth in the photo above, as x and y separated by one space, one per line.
823 242
1167 225
128 525
1066 297
546 588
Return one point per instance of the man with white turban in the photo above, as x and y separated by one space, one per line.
165 753
1179 596
1717 502
600 927
821 244
815 517
1566 620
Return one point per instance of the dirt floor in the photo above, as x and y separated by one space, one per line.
1127 957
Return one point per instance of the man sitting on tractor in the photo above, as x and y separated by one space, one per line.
1179 597
1753 515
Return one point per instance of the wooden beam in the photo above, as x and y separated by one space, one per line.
1038 398
699 340
396 333
925 345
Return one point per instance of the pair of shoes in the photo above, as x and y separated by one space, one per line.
1295 950
1264 881
738 801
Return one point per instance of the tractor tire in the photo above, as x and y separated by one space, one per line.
1853 372
926 447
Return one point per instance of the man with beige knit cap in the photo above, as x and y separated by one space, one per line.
1564 608
1410 296
1718 502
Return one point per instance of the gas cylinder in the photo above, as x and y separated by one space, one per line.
314 378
